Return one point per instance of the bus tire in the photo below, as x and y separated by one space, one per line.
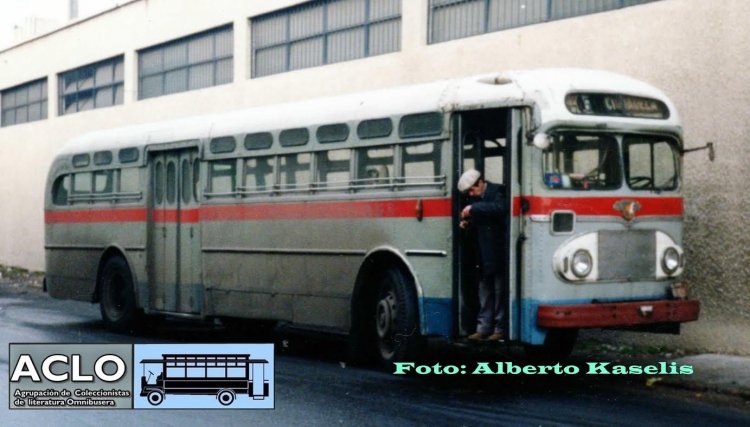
558 344
226 397
117 296
396 319
155 397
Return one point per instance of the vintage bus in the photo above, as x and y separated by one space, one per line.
224 375
341 214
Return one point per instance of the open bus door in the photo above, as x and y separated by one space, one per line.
486 140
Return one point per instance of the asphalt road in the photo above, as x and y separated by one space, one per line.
315 386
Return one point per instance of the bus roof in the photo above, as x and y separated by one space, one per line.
545 88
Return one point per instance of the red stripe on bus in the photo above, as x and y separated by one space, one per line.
604 206
187 216
95 215
431 208
277 211
328 210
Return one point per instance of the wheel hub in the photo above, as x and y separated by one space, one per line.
385 315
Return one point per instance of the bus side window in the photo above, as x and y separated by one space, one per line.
82 183
259 174
103 181
196 178
129 180
60 190
375 166
333 169
215 372
295 171
235 372
186 181
176 372
422 163
171 183
223 176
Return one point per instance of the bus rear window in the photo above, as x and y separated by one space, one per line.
582 162
60 190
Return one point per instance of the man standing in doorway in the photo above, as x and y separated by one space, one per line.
485 213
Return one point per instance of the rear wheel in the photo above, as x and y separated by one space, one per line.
226 397
395 324
117 295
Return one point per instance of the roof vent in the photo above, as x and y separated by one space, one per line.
496 80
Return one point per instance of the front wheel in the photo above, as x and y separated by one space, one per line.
155 397
117 295
396 324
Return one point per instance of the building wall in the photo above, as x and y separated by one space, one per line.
695 50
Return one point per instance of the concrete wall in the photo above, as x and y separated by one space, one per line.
695 50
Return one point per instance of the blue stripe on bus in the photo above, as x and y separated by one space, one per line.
438 316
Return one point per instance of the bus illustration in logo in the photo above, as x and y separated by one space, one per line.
226 376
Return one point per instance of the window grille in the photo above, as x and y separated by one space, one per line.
189 63
24 103
454 19
324 32
92 86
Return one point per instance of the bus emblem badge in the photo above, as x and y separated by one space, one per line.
628 208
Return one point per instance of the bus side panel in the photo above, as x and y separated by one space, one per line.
433 274
74 250
279 270
304 271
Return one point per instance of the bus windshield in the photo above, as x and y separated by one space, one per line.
583 162
651 162
593 162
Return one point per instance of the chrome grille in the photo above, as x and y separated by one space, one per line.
627 255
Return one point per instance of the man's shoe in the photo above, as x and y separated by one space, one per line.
497 336
477 336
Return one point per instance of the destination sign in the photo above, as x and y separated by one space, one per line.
609 104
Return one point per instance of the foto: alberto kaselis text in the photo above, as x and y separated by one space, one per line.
511 368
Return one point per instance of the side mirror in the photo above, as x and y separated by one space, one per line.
709 146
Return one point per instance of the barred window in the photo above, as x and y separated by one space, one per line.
92 86
375 167
259 174
223 177
454 19
189 63
324 32
294 172
24 103
422 162
333 170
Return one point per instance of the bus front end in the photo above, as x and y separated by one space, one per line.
602 222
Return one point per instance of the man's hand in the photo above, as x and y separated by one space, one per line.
466 213
463 225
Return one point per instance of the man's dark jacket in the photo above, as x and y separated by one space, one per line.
487 217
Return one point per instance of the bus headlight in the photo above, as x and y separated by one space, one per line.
670 261
581 263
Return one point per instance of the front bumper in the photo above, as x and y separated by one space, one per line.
603 315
